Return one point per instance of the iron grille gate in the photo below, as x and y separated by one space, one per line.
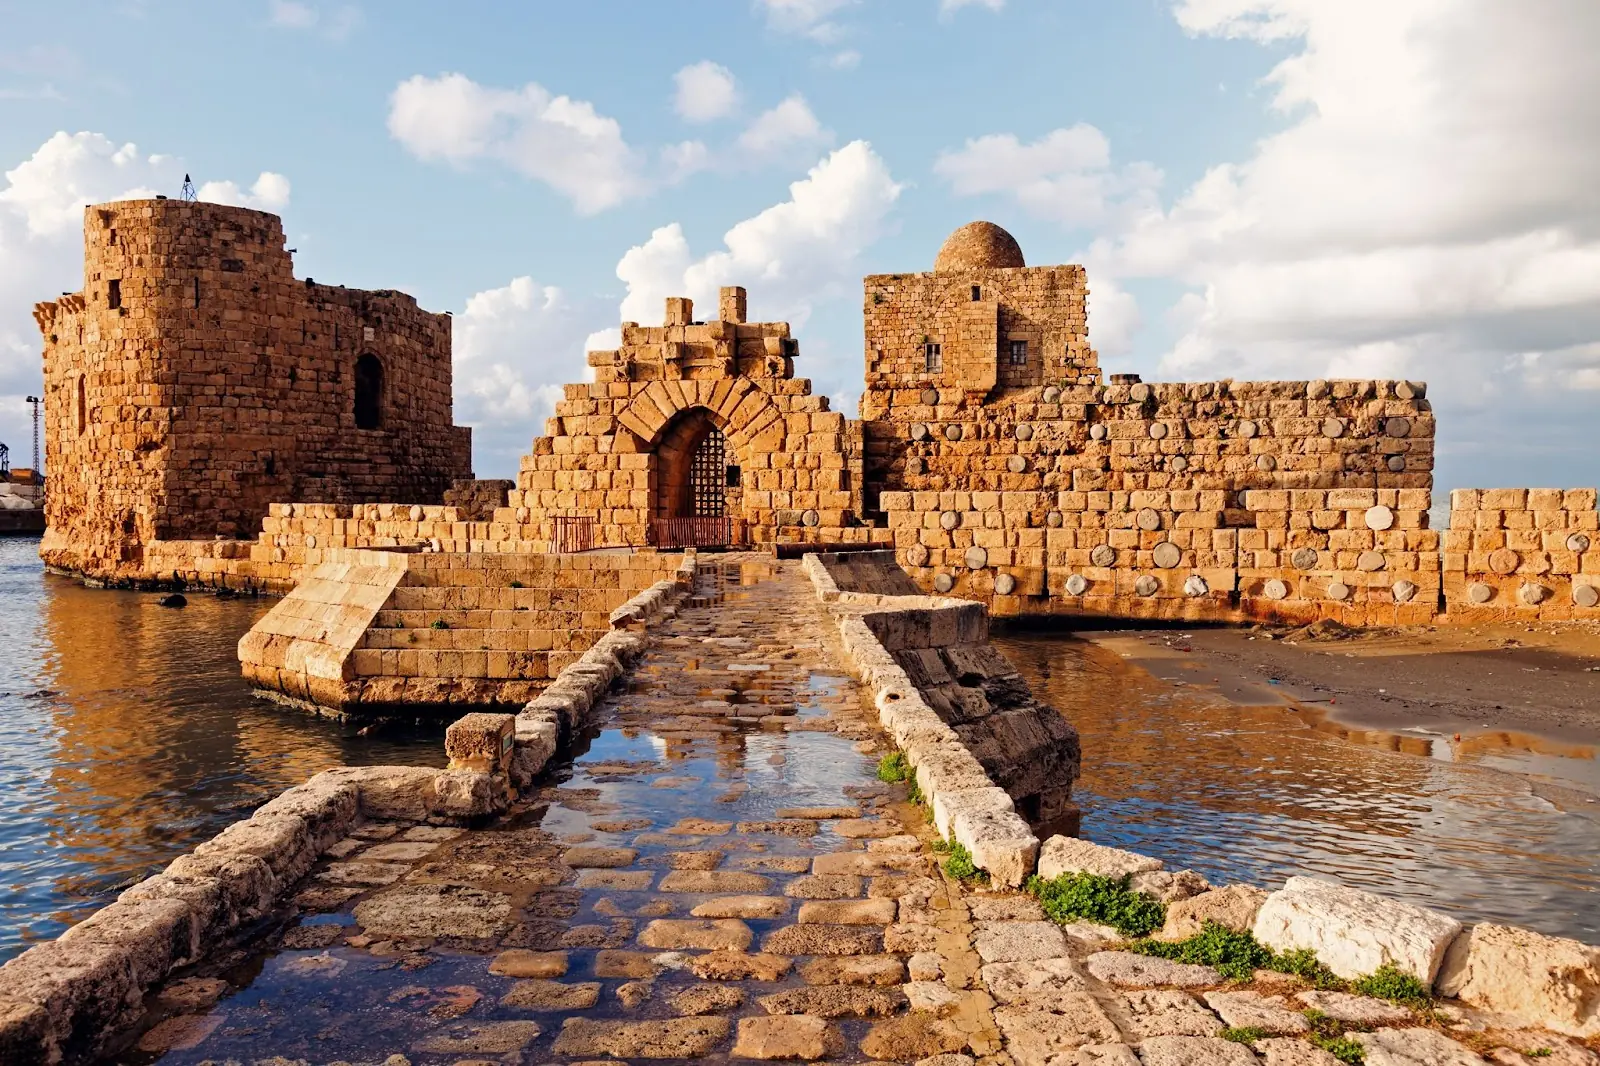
708 475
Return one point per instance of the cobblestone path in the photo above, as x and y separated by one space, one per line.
718 874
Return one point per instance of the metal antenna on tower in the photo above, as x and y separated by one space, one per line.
188 195
35 401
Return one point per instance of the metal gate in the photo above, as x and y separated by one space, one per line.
708 476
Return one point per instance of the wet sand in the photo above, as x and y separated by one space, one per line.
1528 694
1206 764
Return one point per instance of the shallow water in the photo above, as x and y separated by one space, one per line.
127 736
1242 793
724 726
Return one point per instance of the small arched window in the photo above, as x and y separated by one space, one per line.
369 391
81 421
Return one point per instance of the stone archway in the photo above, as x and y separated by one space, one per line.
742 410
696 472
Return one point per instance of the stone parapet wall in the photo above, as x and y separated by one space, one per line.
478 500
1171 501
1522 554
985 752
370 629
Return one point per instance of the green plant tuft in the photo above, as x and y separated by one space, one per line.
1340 1047
914 793
1328 1034
1238 955
516 584
439 623
960 866
1234 955
1093 898
1391 983
894 767
1244 1034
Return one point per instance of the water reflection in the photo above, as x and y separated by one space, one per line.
1258 794
128 736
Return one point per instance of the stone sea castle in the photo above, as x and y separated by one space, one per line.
212 421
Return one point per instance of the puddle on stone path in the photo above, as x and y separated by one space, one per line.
682 795
1259 793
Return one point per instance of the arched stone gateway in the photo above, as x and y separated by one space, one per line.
698 433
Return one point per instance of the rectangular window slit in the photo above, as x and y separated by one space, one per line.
114 294
1019 353
933 358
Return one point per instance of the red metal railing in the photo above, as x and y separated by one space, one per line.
574 533
696 533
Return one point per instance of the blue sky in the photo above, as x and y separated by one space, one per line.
1260 188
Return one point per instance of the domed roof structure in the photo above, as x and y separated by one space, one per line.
979 246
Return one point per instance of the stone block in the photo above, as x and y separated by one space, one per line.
1543 980
1234 907
1354 932
481 742
1061 855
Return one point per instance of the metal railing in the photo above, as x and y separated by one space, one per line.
573 533
696 532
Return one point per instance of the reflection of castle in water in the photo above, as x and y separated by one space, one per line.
158 742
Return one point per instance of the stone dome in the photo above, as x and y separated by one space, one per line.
979 246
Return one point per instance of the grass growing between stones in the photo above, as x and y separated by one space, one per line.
1244 1034
1395 985
958 862
1238 955
1084 897
894 767
1329 1035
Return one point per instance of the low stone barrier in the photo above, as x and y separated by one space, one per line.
968 806
1540 980
557 711
70 1000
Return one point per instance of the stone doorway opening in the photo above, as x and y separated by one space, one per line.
698 495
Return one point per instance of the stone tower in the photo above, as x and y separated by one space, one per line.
194 381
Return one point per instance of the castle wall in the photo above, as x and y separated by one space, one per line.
194 381
1522 554
1035 487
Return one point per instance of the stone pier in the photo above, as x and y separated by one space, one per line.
686 848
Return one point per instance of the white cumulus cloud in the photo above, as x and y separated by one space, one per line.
1429 205
562 142
706 91
808 18
513 348
269 193
1066 175
791 257
790 126
335 23
41 239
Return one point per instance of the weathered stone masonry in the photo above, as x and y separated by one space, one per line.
195 380
990 454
